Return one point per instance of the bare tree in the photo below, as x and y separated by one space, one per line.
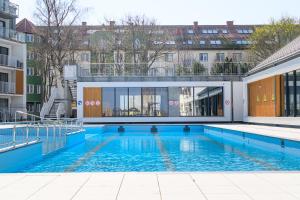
58 38
106 46
134 39
144 41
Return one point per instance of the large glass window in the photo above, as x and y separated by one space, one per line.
216 101
186 101
201 101
180 101
155 102
149 107
291 93
174 101
108 102
208 101
285 92
161 102
298 91
135 102
121 102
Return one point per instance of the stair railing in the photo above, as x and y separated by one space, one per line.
48 105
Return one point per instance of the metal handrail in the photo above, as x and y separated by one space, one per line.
28 114
52 133
47 120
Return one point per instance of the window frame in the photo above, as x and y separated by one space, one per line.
201 55
30 89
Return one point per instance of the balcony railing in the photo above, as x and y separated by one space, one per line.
163 70
8 33
7 114
7 87
9 8
10 61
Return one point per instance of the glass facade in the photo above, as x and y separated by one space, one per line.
162 102
291 93
122 104
135 102
181 101
148 101
108 102
208 101
155 102
298 91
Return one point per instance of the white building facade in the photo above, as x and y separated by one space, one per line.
12 65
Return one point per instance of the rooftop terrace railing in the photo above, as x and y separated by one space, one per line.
163 70
9 8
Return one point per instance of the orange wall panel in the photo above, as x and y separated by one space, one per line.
92 100
19 82
264 97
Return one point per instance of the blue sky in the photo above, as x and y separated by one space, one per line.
181 11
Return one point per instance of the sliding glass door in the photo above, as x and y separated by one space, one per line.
162 102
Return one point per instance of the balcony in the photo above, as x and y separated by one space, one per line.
8 34
7 114
165 71
8 10
7 87
10 61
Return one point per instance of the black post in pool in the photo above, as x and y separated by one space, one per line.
186 129
121 129
154 129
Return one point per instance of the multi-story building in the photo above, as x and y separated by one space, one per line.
177 47
12 64
180 51
34 80
189 79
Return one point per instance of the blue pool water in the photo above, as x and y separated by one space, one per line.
171 149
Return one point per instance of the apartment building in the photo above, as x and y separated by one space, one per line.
104 52
181 46
34 67
187 81
12 64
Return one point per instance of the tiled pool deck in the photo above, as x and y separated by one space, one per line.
160 186
146 186
271 131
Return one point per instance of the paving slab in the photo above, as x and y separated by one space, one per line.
151 186
271 131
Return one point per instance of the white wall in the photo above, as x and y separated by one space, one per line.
18 51
227 97
238 101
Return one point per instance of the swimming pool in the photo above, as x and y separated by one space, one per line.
170 149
